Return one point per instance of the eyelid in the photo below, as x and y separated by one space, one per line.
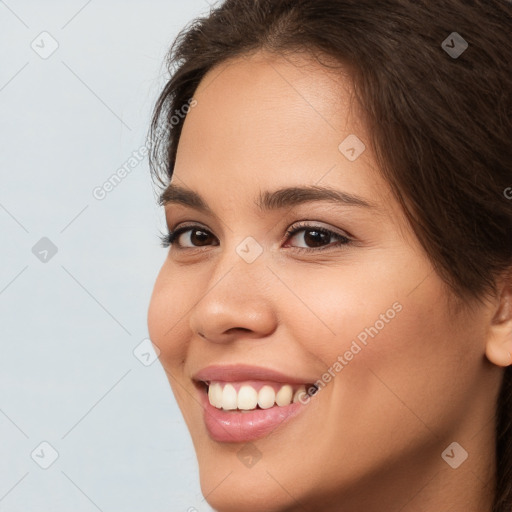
304 225
295 226
189 224
344 238
176 232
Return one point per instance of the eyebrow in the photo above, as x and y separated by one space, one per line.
268 200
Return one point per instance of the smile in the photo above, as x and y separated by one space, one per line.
247 396
245 403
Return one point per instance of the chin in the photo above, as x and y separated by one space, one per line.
247 494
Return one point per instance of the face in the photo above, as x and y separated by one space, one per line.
264 293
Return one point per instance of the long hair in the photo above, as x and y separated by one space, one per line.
434 80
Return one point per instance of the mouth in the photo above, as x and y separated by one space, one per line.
255 395
237 410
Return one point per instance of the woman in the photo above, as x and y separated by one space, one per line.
335 311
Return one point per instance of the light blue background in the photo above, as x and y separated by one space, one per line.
69 326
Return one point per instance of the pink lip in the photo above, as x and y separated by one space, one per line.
240 427
241 372
236 426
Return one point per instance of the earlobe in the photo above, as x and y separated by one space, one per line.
498 353
499 340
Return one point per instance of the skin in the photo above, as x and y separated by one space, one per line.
372 439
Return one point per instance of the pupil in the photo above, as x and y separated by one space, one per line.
315 238
312 238
200 238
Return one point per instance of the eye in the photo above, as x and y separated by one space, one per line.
196 236
313 237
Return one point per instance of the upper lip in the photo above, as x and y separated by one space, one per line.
242 372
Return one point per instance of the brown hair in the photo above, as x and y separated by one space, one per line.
441 124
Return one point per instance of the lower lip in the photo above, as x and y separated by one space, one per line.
238 427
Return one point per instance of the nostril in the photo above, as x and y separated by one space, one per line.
236 330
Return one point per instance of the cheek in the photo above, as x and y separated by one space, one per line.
167 322
169 331
330 310
386 349
410 368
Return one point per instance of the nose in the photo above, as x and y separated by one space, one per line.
235 302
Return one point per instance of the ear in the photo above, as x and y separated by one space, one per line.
499 338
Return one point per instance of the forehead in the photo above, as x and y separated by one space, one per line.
266 121
262 94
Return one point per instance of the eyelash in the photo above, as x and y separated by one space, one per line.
169 239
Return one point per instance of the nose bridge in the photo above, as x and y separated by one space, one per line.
234 296
243 257
240 269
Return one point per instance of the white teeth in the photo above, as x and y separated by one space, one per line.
247 398
284 395
266 397
215 394
229 401
300 393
